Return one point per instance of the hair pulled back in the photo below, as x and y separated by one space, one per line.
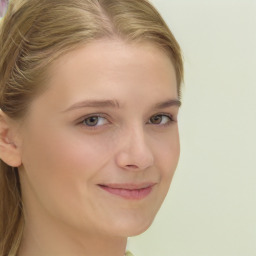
33 34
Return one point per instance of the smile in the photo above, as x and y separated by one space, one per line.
129 191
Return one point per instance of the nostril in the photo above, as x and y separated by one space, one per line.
131 166
134 154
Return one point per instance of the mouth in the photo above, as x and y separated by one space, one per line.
129 191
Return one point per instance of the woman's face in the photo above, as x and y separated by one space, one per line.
100 146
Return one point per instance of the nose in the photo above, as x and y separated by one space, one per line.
134 153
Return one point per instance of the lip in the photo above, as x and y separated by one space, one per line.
129 191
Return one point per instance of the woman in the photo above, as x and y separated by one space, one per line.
89 96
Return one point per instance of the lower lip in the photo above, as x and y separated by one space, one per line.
134 194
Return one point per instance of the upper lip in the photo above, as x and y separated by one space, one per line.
128 186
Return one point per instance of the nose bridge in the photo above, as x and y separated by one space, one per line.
135 152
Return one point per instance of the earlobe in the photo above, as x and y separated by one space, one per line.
9 152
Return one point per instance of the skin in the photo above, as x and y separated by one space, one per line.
62 160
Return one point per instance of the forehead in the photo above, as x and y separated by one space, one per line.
112 51
112 69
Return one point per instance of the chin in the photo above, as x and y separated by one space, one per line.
133 228
139 231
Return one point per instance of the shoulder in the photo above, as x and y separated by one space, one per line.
128 253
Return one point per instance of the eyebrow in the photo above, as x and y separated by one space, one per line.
168 103
94 104
115 104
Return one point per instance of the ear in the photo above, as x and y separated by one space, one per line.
9 152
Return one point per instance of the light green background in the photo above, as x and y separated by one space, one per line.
211 206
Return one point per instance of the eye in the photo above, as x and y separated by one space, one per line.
93 121
161 119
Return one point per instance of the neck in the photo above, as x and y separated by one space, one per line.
51 239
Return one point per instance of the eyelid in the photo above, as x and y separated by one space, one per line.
102 115
171 116
80 121
164 114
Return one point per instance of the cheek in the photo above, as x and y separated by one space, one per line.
65 161
60 170
171 154
167 156
167 151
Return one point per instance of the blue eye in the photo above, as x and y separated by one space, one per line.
161 119
94 121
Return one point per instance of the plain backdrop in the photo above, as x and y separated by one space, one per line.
211 207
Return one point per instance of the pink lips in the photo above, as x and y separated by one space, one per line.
129 191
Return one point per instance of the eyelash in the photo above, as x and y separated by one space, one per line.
162 115
91 116
93 127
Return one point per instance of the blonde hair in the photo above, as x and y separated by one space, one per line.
33 34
